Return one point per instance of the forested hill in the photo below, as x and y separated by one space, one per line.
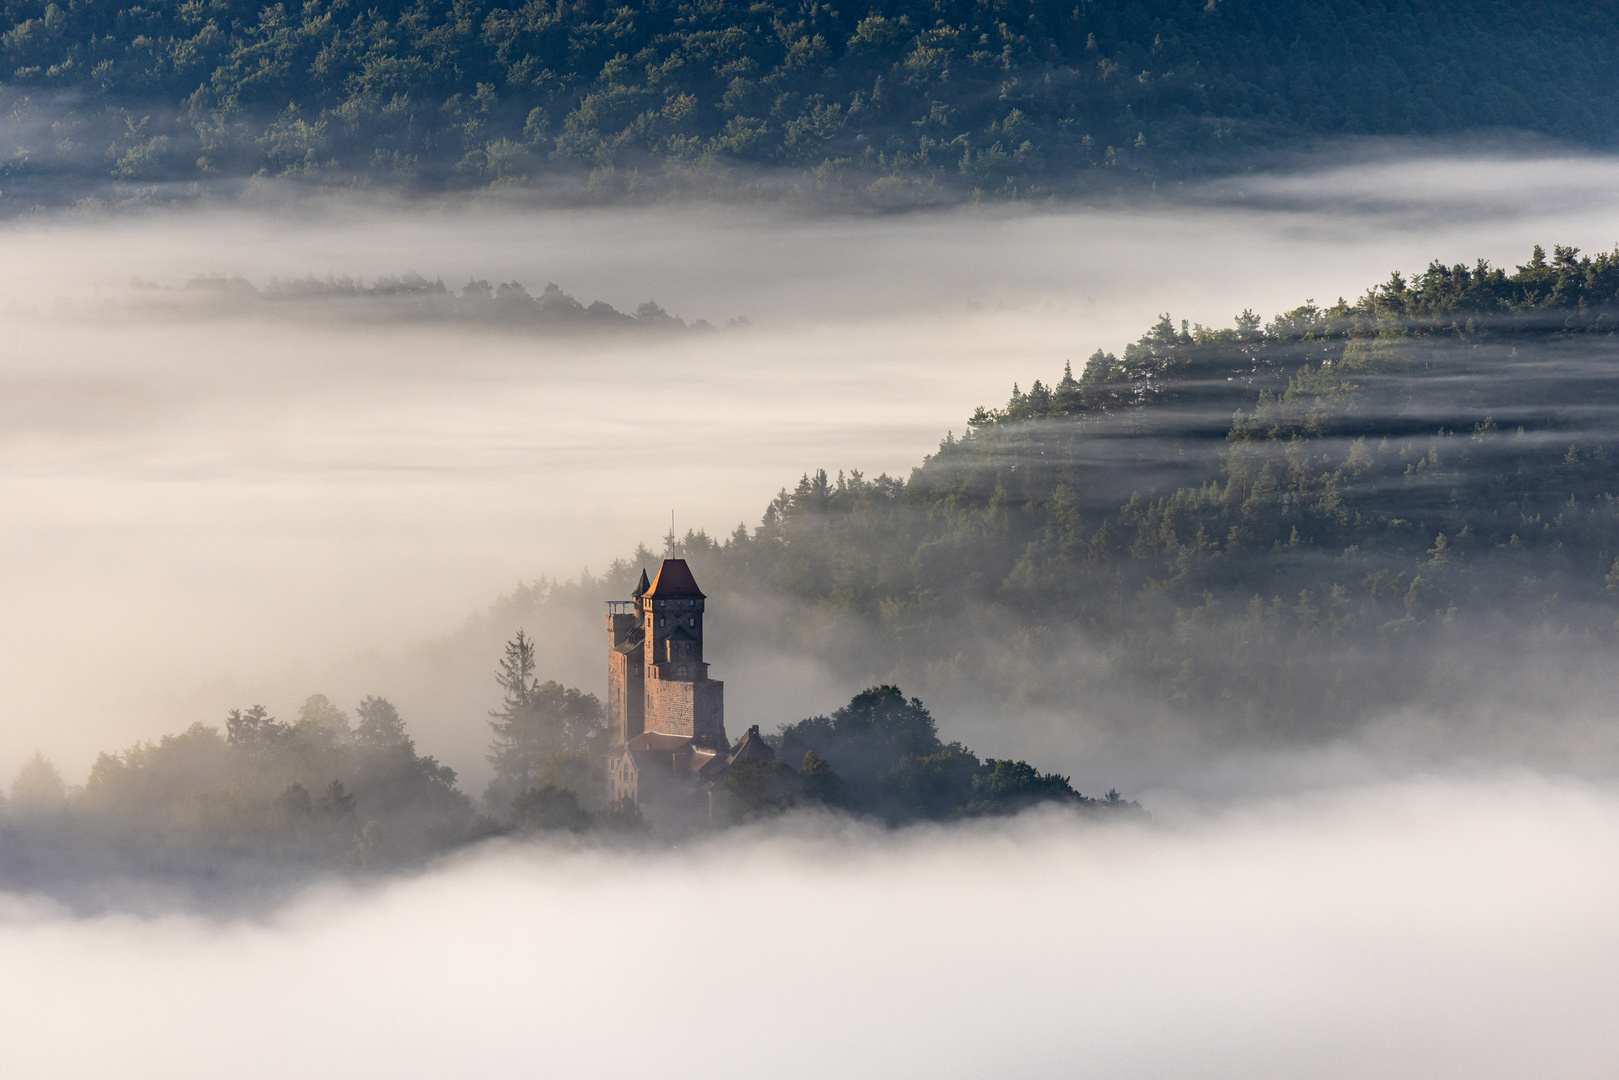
1290 525
892 100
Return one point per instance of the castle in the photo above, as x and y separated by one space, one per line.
665 716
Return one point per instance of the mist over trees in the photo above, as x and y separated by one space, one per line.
251 813
410 297
544 733
879 755
38 788
1282 528
895 101
261 807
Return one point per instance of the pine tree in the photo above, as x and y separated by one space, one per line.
534 721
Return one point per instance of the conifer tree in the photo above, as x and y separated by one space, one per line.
535 720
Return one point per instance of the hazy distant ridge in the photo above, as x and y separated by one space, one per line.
410 297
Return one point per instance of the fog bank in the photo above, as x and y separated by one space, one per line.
208 512
1453 927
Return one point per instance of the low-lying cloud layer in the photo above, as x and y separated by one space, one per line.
209 511
1434 928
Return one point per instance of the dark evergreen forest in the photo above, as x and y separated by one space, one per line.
896 101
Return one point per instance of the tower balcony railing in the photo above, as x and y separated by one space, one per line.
621 607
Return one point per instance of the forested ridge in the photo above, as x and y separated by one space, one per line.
1287 526
409 297
896 100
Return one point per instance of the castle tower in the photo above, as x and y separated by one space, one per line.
678 696
667 715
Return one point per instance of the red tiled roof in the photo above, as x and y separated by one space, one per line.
674 579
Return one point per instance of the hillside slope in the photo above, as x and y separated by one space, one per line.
896 100
1287 526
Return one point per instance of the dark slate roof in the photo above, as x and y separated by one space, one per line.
753 745
680 633
641 588
674 579
632 641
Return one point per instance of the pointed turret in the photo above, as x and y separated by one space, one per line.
674 580
661 705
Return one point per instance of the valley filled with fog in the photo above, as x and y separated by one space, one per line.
212 507
216 499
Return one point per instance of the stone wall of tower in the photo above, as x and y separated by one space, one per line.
626 695
660 618
626 678
695 709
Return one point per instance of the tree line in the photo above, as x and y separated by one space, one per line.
881 755
898 99
262 805
410 297
878 756
258 797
